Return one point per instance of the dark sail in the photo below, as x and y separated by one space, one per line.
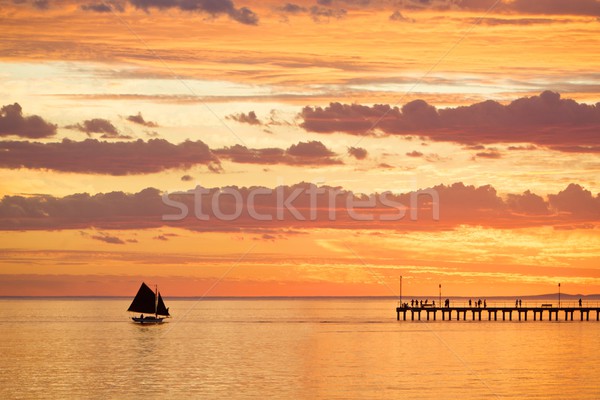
145 301
161 309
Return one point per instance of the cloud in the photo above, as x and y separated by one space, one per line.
187 178
415 154
577 201
519 21
138 119
249 118
318 13
97 7
303 153
92 156
112 158
211 7
537 7
544 120
108 239
518 148
357 152
99 125
291 8
492 154
40 4
555 7
527 203
12 122
398 17
309 206
385 166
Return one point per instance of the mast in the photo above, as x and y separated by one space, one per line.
156 301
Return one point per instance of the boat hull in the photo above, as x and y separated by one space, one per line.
147 320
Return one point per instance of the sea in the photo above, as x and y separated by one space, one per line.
321 348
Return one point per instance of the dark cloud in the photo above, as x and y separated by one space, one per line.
537 7
139 119
397 16
519 21
97 7
187 178
104 7
459 205
291 8
517 148
99 125
112 158
12 122
312 149
492 153
527 203
544 120
212 7
318 13
555 7
303 153
139 157
41 4
108 239
357 152
243 118
577 201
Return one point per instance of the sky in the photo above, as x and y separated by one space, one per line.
303 148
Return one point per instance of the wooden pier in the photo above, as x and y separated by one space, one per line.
493 313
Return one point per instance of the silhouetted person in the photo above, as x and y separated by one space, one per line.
433 304
516 303
479 303
421 303
484 304
520 303
469 302
579 302
412 302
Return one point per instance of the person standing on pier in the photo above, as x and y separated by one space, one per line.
469 302
484 304
520 303
579 303
517 303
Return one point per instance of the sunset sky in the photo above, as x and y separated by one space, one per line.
494 106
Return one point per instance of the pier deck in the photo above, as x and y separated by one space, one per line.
495 313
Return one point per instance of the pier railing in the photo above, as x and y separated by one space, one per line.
538 309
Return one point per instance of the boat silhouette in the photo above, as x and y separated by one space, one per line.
150 302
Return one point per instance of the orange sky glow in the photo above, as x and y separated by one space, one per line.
485 113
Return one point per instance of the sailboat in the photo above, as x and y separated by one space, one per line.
147 301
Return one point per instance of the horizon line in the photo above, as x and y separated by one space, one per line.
298 297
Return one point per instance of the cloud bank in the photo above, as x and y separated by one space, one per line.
545 120
93 156
307 206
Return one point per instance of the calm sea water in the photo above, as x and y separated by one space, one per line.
306 349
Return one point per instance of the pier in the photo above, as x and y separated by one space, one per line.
539 313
